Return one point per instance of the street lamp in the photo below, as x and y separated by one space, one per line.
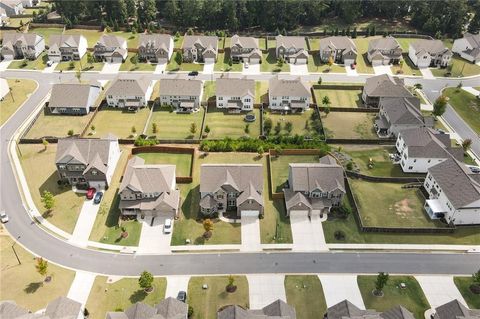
15 252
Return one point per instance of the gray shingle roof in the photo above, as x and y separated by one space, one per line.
289 41
10 310
244 42
424 142
129 87
430 46
284 87
345 309
276 310
456 310
387 43
65 40
386 86
398 312
109 40
27 38
73 95
403 110
63 308
171 308
337 42
155 40
203 40
180 87
235 87
473 39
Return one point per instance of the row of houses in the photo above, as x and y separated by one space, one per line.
16 7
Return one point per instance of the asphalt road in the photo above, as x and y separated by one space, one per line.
41 243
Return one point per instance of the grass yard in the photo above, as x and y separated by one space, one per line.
121 294
209 91
80 65
298 121
340 98
363 65
223 64
350 125
463 284
305 294
38 64
174 66
261 91
206 302
20 91
132 38
412 297
275 226
177 41
120 122
405 43
223 124
262 43
41 175
279 167
466 105
183 162
92 36
46 32
388 205
57 125
271 43
408 68
269 63
23 284
171 125
458 68
315 65
128 65
314 44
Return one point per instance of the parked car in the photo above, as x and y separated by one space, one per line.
49 63
167 227
3 217
182 296
193 73
98 198
353 66
90 192
246 65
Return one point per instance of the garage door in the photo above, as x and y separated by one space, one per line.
348 62
209 60
377 62
250 213
299 213
301 61
254 61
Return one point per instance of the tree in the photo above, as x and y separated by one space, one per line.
278 128
288 127
267 126
247 129
179 58
476 277
466 144
41 266
48 200
459 87
330 62
193 128
326 110
133 130
154 128
92 128
439 106
354 33
326 100
319 81
231 284
134 60
207 129
70 133
382 279
45 144
260 151
78 75
131 8
208 226
146 280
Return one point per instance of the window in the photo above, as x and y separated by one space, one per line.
94 172
410 167
220 98
231 202
220 196
61 166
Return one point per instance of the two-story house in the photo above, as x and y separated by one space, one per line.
184 95
421 148
73 98
168 308
235 95
384 51
200 48
110 48
429 53
468 47
129 93
292 49
155 48
340 49
87 162
231 187
314 187
22 46
454 193
288 95
245 49
12 7
148 190
66 47
383 85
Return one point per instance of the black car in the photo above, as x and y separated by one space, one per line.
98 198
193 73
182 296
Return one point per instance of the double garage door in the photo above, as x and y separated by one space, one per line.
250 213
299 213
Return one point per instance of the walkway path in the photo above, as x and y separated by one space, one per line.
208 68
350 71
250 233
264 289
176 284
4 64
439 290
84 224
307 233
160 68
81 286
337 288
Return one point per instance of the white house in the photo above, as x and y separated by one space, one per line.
4 88
235 94
129 93
184 95
12 7
288 95
429 53
468 47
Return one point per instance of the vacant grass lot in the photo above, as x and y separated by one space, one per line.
223 124
121 294
20 91
183 162
223 64
269 63
466 105
120 122
171 125
299 122
363 65
315 65
305 294
57 125
38 64
128 65
340 98
412 297
349 125
463 284
408 68
261 92
206 302
279 167
459 68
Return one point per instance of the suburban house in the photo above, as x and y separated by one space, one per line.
292 49
468 47
422 147
129 93
276 310
227 187
314 187
22 46
288 95
184 95
235 95
148 190
455 310
12 7
454 193
398 114
4 19
169 308
59 308
384 51
346 310
66 47
200 48
383 85
340 48
155 48
245 49
73 99
4 88
110 48
87 162
429 53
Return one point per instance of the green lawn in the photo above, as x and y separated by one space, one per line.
269 63
315 65
262 44
92 36
363 65
261 91
459 68
466 105
206 302
46 32
108 296
223 124
39 64
275 226
171 125
132 38
271 43
305 294
298 120
279 167
463 284
173 66
405 43
57 125
314 43
183 162
20 91
411 297
223 64
351 125
340 98
209 90
128 65
120 122
408 68
177 42
79 65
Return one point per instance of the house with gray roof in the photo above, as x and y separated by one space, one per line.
453 193
87 162
346 310
468 47
200 48
149 190
276 310
184 95
155 48
455 310
429 53
169 308
398 114
292 49
110 48
340 48
129 93
12 7
383 85
231 187
288 95
235 95
17 45
73 98
59 308
422 147
245 49
66 47
384 51
314 187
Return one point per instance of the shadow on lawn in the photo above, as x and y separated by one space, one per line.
113 212
33 287
190 205
138 296
51 185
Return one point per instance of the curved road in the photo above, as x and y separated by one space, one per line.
41 243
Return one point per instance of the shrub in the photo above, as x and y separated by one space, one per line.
145 142
350 166
339 235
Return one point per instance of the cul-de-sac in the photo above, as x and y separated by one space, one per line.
239 159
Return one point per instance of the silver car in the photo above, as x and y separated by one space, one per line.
3 217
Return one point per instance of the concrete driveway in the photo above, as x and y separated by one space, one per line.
208 68
439 290
252 69
350 72
264 289
50 69
111 68
298 69
4 64
382 69
176 284
81 286
152 239
307 233
84 224
337 288
250 234
427 73
160 68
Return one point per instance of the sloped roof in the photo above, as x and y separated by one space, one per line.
145 178
284 87
382 44
337 43
203 40
239 176
63 308
10 310
65 40
110 40
281 309
345 309
398 312
430 46
293 199
83 150
473 39
235 87
24 38
424 142
276 310
244 42
456 310
403 110
171 308
155 40
180 87
129 87
385 85
73 95
290 41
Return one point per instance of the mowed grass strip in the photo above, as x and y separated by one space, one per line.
270 63
316 65
350 125
20 90
261 91
57 125
128 65
223 124
466 105
183 162
363 65
120 122
305 294
172 125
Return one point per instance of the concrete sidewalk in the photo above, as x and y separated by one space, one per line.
264 289
4 64
471 90
337 288
160 68
84 224
176 284
439 290
81 286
